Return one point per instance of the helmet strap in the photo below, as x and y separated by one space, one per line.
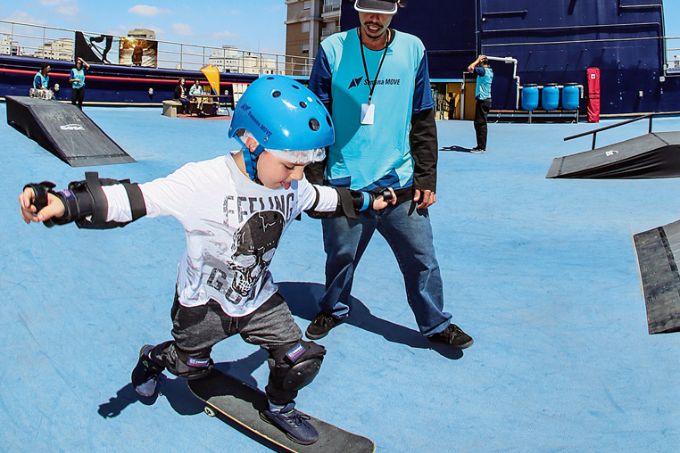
250 160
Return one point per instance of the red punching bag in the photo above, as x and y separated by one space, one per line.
593 95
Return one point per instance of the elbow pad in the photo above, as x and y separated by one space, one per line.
85 203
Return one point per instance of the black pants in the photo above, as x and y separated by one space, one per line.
481 116
77 96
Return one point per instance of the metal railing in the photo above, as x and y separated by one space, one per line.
612 126
17 38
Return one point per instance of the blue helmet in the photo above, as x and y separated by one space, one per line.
280 115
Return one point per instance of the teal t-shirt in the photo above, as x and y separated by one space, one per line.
365 157
40 80
80 75
484 81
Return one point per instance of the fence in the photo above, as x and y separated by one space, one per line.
17 38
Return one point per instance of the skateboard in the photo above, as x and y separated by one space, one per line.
241 404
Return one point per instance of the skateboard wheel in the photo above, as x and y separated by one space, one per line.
208 411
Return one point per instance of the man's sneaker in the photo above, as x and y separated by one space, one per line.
321 325
293 423
145 375
477 150
454 336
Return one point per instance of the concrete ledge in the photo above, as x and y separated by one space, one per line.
170 108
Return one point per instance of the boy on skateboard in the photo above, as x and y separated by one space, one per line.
234 210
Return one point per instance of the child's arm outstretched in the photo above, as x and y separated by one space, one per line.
83 202
325 201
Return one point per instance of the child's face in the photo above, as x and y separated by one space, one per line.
275 173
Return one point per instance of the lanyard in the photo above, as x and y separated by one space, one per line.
363 59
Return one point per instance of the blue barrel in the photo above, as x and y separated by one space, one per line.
530 97
551 96
570 96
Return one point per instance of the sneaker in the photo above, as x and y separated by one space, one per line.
477 150
454 336
321 325
145 375
292 422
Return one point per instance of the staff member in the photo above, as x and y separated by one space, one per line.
484 74
77 81
42 78
375 82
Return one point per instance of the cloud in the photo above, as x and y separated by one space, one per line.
146 10
24 17
63 7
182 29
223 34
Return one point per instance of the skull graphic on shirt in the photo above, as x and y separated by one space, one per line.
253 248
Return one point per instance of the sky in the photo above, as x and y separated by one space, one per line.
254 25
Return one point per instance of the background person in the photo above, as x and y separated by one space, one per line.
77 81
375 82
484 74
41 80
181 95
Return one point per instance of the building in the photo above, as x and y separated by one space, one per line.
58 49
142 33
9 47
231 59
307 23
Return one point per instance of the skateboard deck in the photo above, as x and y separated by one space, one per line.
242 404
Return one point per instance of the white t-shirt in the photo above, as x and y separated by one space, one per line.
232 227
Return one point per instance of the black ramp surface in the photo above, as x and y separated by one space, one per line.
657 250
65 131
241 404
655 155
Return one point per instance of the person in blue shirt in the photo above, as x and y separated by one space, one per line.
77 81
374 80
484 73
41 80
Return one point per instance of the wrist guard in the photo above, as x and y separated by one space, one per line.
85 202
40 189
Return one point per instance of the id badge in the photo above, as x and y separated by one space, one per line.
367 113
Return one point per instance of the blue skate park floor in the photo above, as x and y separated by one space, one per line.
542 273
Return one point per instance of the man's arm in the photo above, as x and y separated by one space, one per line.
423 139
320 83
475 63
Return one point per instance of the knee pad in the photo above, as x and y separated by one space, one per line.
298 365
194 366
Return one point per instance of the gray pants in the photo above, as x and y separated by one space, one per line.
197 329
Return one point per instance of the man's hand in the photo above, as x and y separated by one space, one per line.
428 198
54 208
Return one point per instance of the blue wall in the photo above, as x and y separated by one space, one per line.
618 36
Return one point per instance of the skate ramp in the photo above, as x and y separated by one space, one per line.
654 155
657 250
65 131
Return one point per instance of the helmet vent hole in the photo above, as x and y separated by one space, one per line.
303 104
270 78
276 93
314 124
328 120
296 87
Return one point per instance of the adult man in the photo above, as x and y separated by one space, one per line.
484 75
375 82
